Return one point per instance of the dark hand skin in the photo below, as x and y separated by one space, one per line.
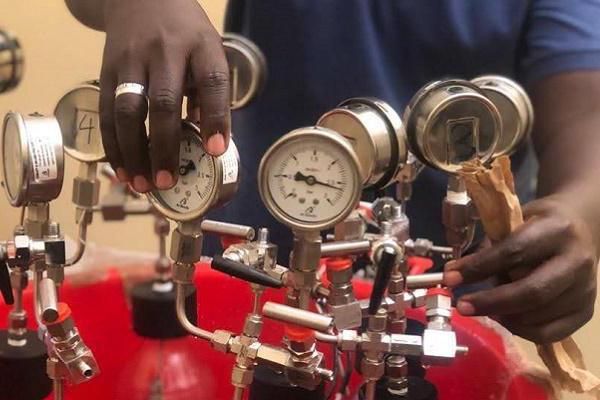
558 245
173 50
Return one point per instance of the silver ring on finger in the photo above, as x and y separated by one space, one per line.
130 87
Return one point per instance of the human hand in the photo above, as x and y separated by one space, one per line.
164 47
556 297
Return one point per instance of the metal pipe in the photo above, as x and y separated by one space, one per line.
81 240
58 389
48 300
297 316
238 393
326 338
370 390
345 247
424 280
37 278
228 229
182 316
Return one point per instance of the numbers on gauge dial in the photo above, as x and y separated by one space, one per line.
196 178
311 182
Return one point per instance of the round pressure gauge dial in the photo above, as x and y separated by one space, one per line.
78 115
450 122
32 158
310 179
247 69
515 109
204 181
377 135
11 62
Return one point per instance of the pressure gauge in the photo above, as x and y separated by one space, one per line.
11 62
78 115
32 158
310 179
247 69
450 122
377 135
515 109
204 181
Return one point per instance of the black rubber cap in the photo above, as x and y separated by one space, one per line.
153 311
271 385
23 369
418 389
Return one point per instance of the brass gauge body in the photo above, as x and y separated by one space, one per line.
515 109
32 158
310 179
78 115
247 69
377 135
204 182
450 122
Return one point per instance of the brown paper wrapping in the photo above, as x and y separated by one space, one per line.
493 193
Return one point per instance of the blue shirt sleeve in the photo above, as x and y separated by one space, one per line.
560 36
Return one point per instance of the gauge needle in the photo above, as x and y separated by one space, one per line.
311 180
184 169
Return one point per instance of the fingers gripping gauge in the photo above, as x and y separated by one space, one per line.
450 122
310 179
204 182
78 115
515 110
32 158
377 135
11 62
247 69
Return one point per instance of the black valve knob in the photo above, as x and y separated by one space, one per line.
244 272
385 266
5 286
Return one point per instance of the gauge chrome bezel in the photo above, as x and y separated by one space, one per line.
220 193
428 103
66 125
30 191
383 132
515 97
302 135
256 61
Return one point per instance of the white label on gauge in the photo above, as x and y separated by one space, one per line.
229 161
43 157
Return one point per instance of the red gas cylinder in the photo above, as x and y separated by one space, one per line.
164 366
103 319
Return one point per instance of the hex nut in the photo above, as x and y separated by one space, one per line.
62 329
186 248
241 376
220 340
438 346
348 340
85 192
371 369
22 251
438 301
183 273
346 316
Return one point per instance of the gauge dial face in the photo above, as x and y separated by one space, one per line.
311 180
11 154
195 186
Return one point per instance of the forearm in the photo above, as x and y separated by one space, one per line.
88 12
567 141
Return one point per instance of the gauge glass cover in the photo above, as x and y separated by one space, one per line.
311 181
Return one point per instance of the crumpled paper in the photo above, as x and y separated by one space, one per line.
492 190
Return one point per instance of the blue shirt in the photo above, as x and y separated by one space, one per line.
320 52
